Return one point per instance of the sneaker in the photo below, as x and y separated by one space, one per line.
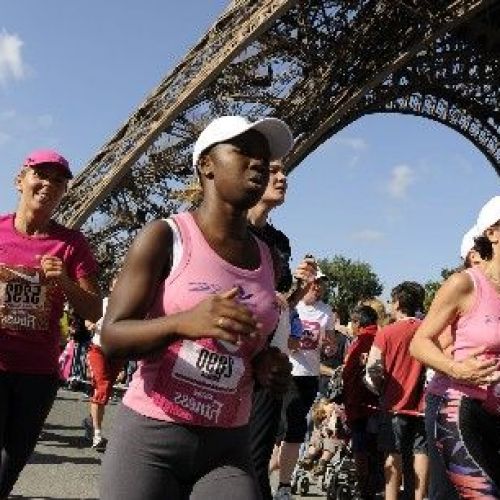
88 428
99 443
283 493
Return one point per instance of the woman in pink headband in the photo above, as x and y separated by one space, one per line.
42 265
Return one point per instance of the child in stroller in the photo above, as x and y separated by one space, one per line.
326 441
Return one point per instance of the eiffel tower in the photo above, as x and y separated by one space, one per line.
317 64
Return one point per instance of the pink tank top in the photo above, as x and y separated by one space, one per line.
480 326
204 382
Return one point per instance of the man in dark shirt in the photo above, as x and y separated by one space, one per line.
278 241
331 357
266 408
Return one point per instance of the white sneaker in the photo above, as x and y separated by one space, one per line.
283 493
99 443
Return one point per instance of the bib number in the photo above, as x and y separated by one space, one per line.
208 369
22 295
23 303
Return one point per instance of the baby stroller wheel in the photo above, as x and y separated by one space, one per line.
331 489
298 473
343 493
304 486
327 478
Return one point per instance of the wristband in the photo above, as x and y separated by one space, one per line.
296 329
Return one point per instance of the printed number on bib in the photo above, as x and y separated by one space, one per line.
17 295
202 367
25 300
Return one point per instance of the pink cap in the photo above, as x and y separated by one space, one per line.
42 157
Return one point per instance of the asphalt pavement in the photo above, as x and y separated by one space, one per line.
64 466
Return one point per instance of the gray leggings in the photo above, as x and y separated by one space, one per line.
156 460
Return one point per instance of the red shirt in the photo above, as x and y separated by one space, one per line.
404 375
359 402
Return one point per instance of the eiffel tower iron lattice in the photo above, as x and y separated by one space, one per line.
317 64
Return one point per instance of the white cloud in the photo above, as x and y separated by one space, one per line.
355 143
19 128
22 123
4 138
11 63
368 235
402 177
353 162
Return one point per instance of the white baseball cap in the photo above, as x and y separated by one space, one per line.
468 242
276 131
320 274
488 215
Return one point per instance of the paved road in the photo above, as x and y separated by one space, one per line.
63 465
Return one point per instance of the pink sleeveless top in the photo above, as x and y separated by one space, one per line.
480 326
204 382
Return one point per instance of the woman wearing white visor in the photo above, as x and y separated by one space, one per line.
467 428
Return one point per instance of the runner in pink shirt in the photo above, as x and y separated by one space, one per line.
195 302
467 429
42 265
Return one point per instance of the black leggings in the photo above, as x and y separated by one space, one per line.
25 402
296 406
156 460
264 423
468 439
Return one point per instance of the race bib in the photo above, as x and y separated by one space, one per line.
207 369
201 386
24 301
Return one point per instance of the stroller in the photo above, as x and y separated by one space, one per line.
303 478
325 443
342 482
339 480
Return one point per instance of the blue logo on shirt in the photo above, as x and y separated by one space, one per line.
214 288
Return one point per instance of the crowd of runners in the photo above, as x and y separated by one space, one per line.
235 367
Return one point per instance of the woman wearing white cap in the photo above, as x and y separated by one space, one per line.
468 249
42 265
467 427
195 302
440 487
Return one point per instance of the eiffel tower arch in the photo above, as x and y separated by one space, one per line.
317 64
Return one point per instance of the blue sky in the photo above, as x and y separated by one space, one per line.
395 191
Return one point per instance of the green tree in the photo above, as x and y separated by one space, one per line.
431 287
349 282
